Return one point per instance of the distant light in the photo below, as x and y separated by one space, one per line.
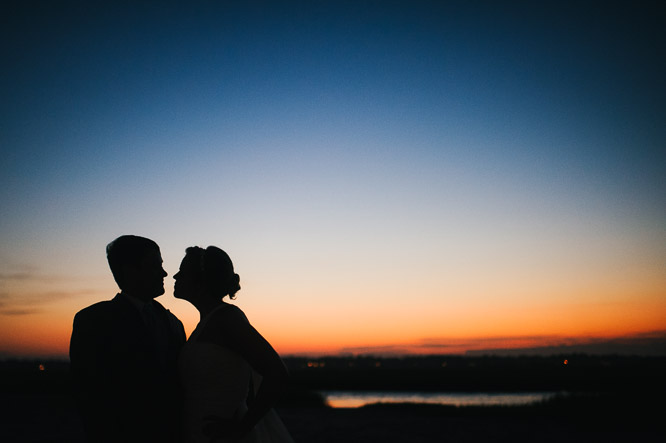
378 364
566 362
41 367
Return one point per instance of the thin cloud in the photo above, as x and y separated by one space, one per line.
31 276
16 276
646 343
29 273
33 303
651 343
19 312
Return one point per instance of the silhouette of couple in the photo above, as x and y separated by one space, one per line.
137 379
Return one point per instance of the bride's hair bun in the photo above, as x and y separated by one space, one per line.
219 271
234 285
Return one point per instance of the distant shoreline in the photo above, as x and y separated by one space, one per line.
444 373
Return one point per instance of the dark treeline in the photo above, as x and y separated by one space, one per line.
33 376
579 373
573 373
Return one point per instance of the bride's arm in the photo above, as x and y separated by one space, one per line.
231 329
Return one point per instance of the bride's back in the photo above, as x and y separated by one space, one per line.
215 381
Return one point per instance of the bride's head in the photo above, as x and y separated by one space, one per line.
207 271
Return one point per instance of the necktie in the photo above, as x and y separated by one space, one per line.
157 331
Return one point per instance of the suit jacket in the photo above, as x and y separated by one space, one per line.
125 389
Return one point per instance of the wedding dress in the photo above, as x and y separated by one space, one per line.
216 382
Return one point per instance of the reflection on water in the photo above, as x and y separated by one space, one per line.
356 399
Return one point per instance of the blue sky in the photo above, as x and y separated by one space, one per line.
341 145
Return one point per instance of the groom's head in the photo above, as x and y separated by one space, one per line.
136 264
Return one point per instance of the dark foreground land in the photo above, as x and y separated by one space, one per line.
615 399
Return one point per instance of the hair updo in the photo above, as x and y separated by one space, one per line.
216 270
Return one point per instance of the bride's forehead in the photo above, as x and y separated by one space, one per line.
191 260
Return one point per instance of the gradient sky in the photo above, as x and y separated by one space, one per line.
412 176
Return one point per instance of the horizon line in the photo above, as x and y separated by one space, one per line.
647 343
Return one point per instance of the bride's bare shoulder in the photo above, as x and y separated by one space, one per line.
225 320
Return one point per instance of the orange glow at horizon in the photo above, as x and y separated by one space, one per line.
54 341
400 327
44 336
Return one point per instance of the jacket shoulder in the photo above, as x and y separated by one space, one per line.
98 310
95 308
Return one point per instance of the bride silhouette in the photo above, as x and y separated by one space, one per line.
231 376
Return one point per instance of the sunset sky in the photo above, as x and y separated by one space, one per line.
389 176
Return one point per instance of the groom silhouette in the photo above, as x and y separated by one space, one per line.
124 352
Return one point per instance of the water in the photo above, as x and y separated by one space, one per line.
356 399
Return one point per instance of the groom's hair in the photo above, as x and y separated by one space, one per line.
127 250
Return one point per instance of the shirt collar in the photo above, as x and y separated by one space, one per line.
138 304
